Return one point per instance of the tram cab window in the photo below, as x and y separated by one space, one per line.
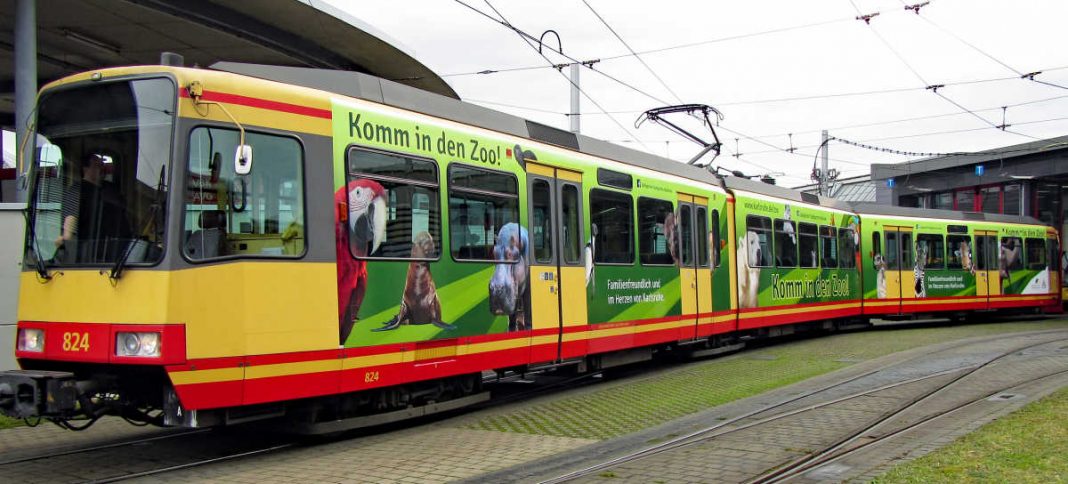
959 253
480 203
758 241
828 247
932 248
612 219
259 214
406 190
785 243
1036 254
654 216
808 240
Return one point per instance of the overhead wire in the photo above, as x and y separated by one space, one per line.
843 127
669 48
527 38
933 87
631 50
661 80
964 110
1020 74
929 133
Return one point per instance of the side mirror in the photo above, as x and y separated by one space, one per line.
243 160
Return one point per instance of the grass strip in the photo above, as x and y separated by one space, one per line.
7 423
1030 445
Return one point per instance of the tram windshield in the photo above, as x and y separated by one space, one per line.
99 174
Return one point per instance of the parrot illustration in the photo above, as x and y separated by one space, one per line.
360 223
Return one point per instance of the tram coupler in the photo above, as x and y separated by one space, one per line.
35 393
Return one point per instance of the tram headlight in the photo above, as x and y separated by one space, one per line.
31 340
145 344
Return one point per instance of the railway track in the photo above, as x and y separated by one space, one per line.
172 453
863 440
100 447
780 411
230 444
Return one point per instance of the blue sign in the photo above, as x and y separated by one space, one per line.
979 170
890 183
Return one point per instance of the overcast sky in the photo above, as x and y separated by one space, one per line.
753 60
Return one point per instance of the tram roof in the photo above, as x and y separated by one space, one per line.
393 94
895 211
76 36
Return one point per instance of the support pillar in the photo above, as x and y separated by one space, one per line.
25 84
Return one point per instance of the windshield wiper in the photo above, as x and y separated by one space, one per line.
157 202
39 264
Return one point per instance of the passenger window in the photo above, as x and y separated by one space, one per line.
982 253
685 234
876 245
702 237
758 241
658 235
847 249
1053 256
259 214
541 223
808 239
829 247
612 220
570 209
1010 255
892 251
907 261
1036 254
717 244
785 244
480 203
406 190
931 248
959 253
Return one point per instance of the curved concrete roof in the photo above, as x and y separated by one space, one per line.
79 35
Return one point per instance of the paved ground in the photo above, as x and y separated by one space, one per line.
457 449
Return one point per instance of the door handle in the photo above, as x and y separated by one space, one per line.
552 289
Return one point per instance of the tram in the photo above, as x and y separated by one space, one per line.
213 246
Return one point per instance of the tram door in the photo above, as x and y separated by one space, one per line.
900 266
694 272
557 270
987 275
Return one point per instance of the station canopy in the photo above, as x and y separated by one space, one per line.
81 35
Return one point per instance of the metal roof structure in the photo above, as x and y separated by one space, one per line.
853 189
81 35
896 211
883 171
